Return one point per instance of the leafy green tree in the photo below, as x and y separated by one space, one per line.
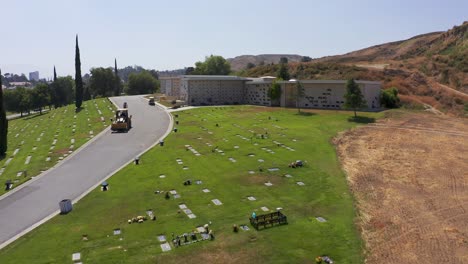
141 83
25 102
11 100
213 65
274 92
78 80
40 96
389 98
250 65
300 93
354 99
63 88
3 123
189 70
102 82
283 72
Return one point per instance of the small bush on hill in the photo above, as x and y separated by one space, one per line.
389 98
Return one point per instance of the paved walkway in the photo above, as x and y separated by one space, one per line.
33 203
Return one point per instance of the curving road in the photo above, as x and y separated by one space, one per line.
35 202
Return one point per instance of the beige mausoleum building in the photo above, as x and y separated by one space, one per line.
225 90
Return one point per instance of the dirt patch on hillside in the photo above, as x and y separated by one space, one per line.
409 175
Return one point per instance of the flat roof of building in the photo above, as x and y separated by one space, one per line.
331 81
214 77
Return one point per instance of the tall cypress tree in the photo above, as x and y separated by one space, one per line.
117 79
55 75
3 122
78 80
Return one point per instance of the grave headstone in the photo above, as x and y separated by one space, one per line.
268 184
191 216
265 209
300 183
251 198
206 190
28 159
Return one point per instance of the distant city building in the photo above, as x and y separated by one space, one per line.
223 90
34 76
13 85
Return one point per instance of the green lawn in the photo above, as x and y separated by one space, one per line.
34 136
132 192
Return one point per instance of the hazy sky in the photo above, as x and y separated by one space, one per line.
36 35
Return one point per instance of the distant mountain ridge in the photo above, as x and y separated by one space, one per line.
240 62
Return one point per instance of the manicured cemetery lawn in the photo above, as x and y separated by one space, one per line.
50 137
233 165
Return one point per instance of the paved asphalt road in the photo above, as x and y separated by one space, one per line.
37 200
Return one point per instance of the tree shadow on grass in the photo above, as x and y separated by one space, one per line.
305 114
361 119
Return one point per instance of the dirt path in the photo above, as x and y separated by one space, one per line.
409 176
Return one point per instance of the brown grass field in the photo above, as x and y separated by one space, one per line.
409 176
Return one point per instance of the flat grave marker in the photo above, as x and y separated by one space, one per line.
265 209
76 257
165 247
206 191
268 184
16 151
244 227
191 216
321 219
162 238
217 202
251 198
28 159
300 183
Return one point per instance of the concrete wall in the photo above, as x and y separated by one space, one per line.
326 94
257 93
214 92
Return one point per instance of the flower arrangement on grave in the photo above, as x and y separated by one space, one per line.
235 229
